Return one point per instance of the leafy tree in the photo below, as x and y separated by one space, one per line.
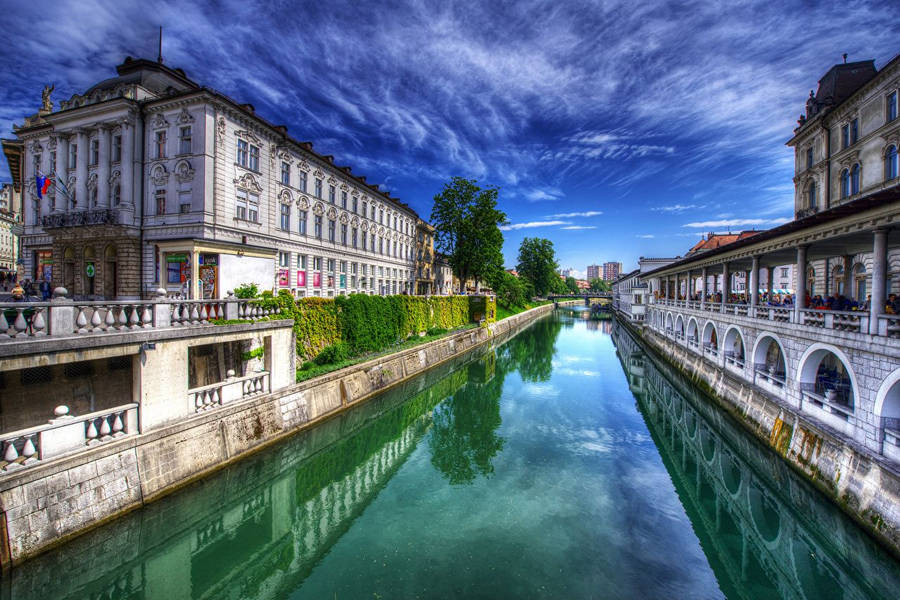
510 290
572 285
467 230
537 264
599 285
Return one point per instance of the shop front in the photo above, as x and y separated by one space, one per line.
209 270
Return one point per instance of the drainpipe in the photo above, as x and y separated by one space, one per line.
140 119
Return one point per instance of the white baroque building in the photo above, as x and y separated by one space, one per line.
173 185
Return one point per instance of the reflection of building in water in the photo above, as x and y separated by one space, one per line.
766 532
257 529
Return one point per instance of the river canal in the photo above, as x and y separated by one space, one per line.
564 463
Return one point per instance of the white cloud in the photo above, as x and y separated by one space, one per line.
532 225
735 223
646 236
541 194
590 213
676 208
578 227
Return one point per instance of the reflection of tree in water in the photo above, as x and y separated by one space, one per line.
464 436
532 351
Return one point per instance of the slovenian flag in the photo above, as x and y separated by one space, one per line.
42 184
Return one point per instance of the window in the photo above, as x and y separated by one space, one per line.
302 180
95 152
364 238
184 140
355 204
809 157
353 234
890 163
331 228
184 208
184 202
242 152
284 259
301 216
317 263
845 183
891 106
365 208
318 191
381 217
811 194
784 272
160 202
845 136
117 194
173 272
285 173
253 207
301 261
285 217
117 148
380 245
854 179
240 205
254 158
331 192
854 131
343 234
344 200
395 221
160 144
318 227
73 155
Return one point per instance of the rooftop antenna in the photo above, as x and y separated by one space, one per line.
159 58
845 54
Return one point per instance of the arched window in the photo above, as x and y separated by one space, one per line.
811 195
890 163
811 281
837 279
859 279
845 183
854 179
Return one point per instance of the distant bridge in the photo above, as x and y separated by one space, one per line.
603 297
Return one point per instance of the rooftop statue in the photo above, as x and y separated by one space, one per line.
46 103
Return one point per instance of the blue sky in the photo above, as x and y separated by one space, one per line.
615 129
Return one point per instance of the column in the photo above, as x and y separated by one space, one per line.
62 157
848 277
81 171
800 292
46 170
29 199
127 164
103 168
879 275
754 282
726 286
770 275
703 289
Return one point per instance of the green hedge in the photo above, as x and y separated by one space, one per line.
367 323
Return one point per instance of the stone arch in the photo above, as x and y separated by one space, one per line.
769 356
887 400
693 330
813 371
285 196
708 444
679 325
711 335
764 513
670 323
732 475
734 342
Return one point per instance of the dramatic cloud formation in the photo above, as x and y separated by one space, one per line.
654 109
735 223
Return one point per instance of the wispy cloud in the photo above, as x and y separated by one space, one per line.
676 208
734 223
541 194
578 227
589 213
532 225
646 236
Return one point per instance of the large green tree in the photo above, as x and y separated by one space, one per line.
599 285
537 264
572 284
467 230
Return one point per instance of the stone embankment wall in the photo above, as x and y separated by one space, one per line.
865 486
49 503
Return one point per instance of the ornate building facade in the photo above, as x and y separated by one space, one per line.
159 182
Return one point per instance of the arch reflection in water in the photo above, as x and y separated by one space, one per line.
765 531
257 528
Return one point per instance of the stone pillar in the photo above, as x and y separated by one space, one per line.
29 198
194 287
62 157
46 170
879 276
800 292
848 277
770 276
103 168
703 288
754 282
81 171
128 163
726 286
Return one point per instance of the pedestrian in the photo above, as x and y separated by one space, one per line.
45 290
18 293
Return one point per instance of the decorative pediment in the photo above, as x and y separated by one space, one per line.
850 159
248 182
319 208
345 187
159 121
345 218
184 172
92 181
184 117
381 231
355 221
365 226
332 213
285 156
303 166
115 176
159 176
354 193
52 144
303 202
35 147
285 196
319 174
249 136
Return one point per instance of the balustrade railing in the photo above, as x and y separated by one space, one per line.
62 317
889 325
891 428
834 319
834 398
712 306
734 359
769 374
65 434
212 396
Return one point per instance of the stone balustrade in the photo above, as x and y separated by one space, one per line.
62 317
212 396
65 434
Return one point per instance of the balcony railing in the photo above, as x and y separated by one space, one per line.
212 396
769 374
832 397
98 216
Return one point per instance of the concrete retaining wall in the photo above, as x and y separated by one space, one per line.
865 486
49 503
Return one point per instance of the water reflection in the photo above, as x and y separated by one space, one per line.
765 531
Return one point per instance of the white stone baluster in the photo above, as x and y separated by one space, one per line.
11 453
91 432
81 321
203 314
110 319
20 325
134 320
105 429
147 317
195 314
38 325
4 325
28 450
123 317
117 425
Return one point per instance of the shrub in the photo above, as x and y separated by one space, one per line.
333 354
436 331
246 290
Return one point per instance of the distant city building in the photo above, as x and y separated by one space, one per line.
443 276
594 272
424 258
10 215
570 272
611 271
513 272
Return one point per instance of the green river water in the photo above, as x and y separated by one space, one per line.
563 463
